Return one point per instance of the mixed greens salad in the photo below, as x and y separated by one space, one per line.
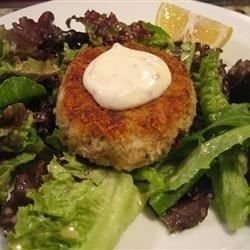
51 199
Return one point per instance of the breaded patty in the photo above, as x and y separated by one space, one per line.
126 139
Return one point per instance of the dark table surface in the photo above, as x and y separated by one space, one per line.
242 6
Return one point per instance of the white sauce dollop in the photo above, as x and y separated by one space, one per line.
123 78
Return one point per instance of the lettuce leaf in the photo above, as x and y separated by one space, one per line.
37 70
19 89
21 139
235 115
12 118
40 40
211 98
106 30
204 154
187 54
77 207
7 167
54 140
232 193
177 182
162 201
159 39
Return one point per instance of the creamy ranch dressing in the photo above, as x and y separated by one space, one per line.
123 78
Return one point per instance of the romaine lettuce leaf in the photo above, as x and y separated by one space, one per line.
159 39
77 208
212 100
204 154
232 193
162 201
181 179
235 115
19 89
187 54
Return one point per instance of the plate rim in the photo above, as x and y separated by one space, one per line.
47 3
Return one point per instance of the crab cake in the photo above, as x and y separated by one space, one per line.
130 138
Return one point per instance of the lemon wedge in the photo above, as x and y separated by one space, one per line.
185 25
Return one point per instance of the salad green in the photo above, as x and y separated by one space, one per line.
224 127
73 204
174 184
228 179
89 207
17 89
7 167
31 68
212 100
21 139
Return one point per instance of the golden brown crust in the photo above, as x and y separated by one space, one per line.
78 115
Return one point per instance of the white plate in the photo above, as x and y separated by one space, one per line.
146 232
